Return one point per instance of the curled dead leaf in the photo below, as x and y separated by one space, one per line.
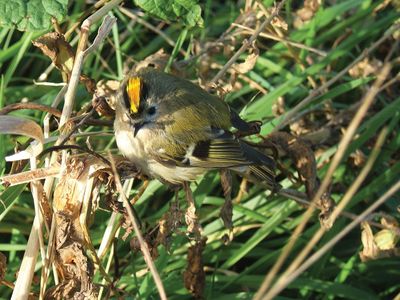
104 97
307 12
14 125
278 108
168 224
194 276
191 218
358 158
300 152
365 68
60 52
381 244
74 202
249 62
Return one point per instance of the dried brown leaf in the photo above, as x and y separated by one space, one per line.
365 68
45 206
277 21
14 125
71 243
278 108
194 275
300 152
307 12
191 218
249 62
168 224
104 97
60 52
379 245
358 158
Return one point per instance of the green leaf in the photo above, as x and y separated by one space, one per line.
31 15
187 12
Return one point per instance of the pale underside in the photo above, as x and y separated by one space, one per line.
133 148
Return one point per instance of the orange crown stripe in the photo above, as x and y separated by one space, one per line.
133 90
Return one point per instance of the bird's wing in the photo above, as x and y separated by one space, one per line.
221 150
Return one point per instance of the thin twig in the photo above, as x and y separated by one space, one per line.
247 43
76 126
79 58
143 245
280 39
366 103
76 147
18 106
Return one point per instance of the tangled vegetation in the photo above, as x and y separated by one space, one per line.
318 82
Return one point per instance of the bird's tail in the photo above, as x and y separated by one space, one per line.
264 175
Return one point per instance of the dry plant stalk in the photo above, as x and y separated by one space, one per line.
23 282
194 275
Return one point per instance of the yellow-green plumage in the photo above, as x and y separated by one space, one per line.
181 131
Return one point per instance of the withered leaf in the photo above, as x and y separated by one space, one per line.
54 45
379 245
249 62
103 99
365 68
168 224
300 152
191 218
14 125
72 243
194 276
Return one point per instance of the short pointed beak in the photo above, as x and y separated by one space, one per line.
136 127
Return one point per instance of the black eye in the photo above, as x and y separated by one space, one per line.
152 110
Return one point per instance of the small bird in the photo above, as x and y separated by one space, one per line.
174 131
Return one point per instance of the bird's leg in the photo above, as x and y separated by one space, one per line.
190 215
242 190
142 189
